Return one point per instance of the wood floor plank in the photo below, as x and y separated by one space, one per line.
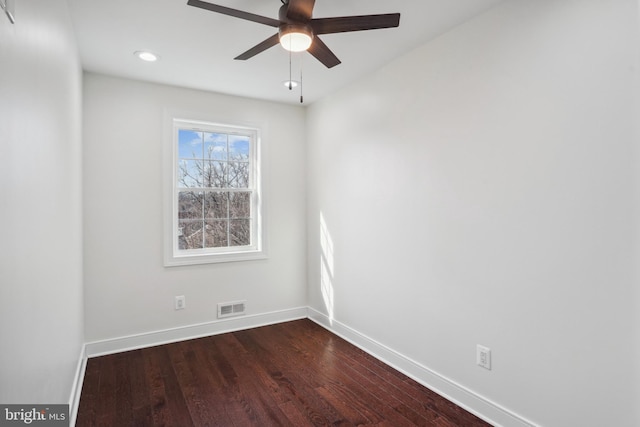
168 404
256 399
106 404
193 386
124 402
401 386
294 415
290 374
140 396
353 414
289 381
358 375
90 394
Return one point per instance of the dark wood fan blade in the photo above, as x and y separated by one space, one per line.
300 10
260 47
235 13
322 53
354 23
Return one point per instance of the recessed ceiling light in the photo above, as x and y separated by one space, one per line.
146 56
290 84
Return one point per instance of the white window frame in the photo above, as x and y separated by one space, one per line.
173 256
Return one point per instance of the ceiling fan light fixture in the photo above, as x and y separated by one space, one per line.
295 38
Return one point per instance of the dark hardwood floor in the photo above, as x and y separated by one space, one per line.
290 374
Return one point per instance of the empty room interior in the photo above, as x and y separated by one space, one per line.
462 186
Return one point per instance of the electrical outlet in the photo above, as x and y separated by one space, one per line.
483 357
181 303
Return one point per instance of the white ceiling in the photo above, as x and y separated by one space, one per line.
197 46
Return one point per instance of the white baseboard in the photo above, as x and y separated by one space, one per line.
149 339
478 405
76 389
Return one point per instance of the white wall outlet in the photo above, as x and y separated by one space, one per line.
483 357
181 303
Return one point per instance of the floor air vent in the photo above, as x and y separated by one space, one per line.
228 309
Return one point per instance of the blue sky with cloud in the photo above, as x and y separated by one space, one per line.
196 144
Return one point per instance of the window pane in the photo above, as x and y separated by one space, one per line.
189 234
216 205
240 205
216 234
238 147
215 146
239 232
190 173
189 205
189 144
238 174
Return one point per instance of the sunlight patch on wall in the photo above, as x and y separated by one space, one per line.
326 268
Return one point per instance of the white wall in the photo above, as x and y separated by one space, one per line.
482 190
41 315
127 289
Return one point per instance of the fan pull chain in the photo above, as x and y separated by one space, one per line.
301 62
290 81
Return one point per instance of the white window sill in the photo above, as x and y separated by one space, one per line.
190 259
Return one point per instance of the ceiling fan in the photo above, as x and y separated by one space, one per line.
298 31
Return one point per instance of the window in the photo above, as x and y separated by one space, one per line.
216 214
